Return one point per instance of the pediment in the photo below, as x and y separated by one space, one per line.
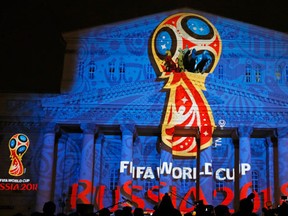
245 82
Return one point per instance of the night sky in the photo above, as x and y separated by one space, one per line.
31 44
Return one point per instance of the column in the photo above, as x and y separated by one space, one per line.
98 159
245 175
282 134
85 184
61 191
269 170
165 179
206 175
128 131
98 165
275 178
47 167
235 141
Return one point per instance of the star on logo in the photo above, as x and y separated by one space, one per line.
184 100
163 46
205 133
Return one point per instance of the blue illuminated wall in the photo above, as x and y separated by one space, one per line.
111 110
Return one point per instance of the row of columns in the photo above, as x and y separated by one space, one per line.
88 165
276 158
90 151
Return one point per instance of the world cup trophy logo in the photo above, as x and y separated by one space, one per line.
184 49
18 145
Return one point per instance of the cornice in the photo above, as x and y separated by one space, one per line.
265 119
104 95
98 105
246 92
11 126
142 88
102 105
105 114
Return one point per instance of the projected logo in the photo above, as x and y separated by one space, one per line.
18 145
184 49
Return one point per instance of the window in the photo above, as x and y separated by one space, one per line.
184 184
220 72
81 68
258 78
122 70
112 70
220 184
278 74
114 177
255 181
149 71
248 74
92 68
111 67
149 183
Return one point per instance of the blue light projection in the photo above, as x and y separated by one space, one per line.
110 81
125 89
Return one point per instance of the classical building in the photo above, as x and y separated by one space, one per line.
181 102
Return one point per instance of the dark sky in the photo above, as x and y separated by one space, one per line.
32 49
75 14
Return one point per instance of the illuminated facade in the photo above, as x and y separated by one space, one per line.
127 127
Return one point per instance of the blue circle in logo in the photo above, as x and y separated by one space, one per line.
22 138
163 42
198 26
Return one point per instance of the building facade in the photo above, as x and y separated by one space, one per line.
182 102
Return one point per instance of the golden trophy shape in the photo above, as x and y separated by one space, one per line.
184 49
18 145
